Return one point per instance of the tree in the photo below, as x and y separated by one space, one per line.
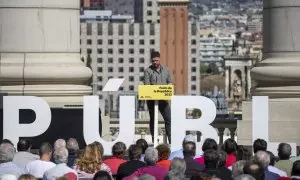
203 68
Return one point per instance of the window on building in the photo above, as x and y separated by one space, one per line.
131 69
110 60
152 29
99 41
194 29
121 69
100 78
141 78
142 51
131 78
80 41
158 13
89 51
194 69
131 41
121 42
142 31
131 51
100 97
121 30
131 88
121 88
158 21
89 41
193 78
110 29
193 60
193 42
110 51
131 29
121 51
149 21
121 60
142 69
99 51
110 69
152 41
149 4
131 60
100 88
99 60
149 13
99 29
100 69
109 77
120 77
193 87
142 60
110 41
142 42
89 29
193 51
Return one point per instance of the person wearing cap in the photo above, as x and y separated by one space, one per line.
158 74
179 153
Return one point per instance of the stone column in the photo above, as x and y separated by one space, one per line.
278 75
39 51
227 82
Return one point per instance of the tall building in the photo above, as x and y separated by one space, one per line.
138 11
92 4
146 11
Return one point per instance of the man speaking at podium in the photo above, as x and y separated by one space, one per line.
157 74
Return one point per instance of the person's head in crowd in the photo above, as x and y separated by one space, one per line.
201 176
222 158
24 145
189 138
26 177
211 158
7 152
259 145
134 152
255 170
209 144
70 176
119 150
60 155
59 143
99 146
238 168
244 153
151 156
262 157
146 177
102 175
230 146
8 177
72 145
91 159
189 149
174 176
178 165
296 169
155 58
272 158
143 144
7 141
244 177
284 151
163 152
46 151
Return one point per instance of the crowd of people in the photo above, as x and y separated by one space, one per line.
65 161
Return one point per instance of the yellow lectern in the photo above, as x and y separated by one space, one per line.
155 92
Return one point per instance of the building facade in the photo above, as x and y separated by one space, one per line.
146 11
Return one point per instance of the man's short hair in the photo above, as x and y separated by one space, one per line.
163 152
178 165
254 169
135 152
143 144
209 144
119 149
189 149
155 54
23 145
60 143
102 175
238 167
262 157
174 176
259 145
7 152
60 155
211 156
72 145
284 151
151 155
230 146
296 168
244 177
45 148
